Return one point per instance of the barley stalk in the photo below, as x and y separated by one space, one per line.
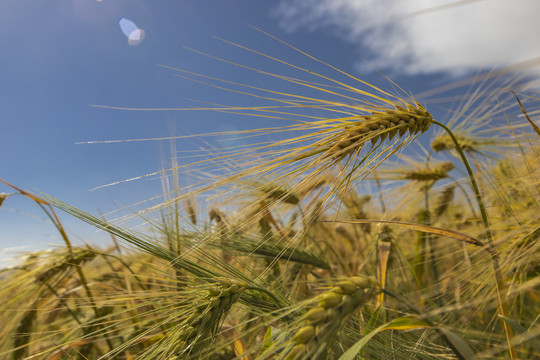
501 288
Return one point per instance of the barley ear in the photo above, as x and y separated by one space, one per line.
380 125
319 326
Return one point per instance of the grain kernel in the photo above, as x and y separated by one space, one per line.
330 299
304 334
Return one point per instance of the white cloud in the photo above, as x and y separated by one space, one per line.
401 36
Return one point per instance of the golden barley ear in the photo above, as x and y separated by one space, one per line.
438 172
444 200
382 124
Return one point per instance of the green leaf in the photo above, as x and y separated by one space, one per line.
403 323
372 320
267 341
460 347
371 323
520 330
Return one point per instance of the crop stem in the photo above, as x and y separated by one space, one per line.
501 290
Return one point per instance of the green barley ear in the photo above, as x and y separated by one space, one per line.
194 336
319 326
207 319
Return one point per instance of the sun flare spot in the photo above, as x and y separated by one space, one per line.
134 34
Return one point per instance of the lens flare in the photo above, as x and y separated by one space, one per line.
134 34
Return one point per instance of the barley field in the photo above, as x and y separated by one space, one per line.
369 227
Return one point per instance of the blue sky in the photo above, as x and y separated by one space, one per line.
59 57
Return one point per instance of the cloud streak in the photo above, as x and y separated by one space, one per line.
415 37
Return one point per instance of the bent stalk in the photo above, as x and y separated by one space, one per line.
501 289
